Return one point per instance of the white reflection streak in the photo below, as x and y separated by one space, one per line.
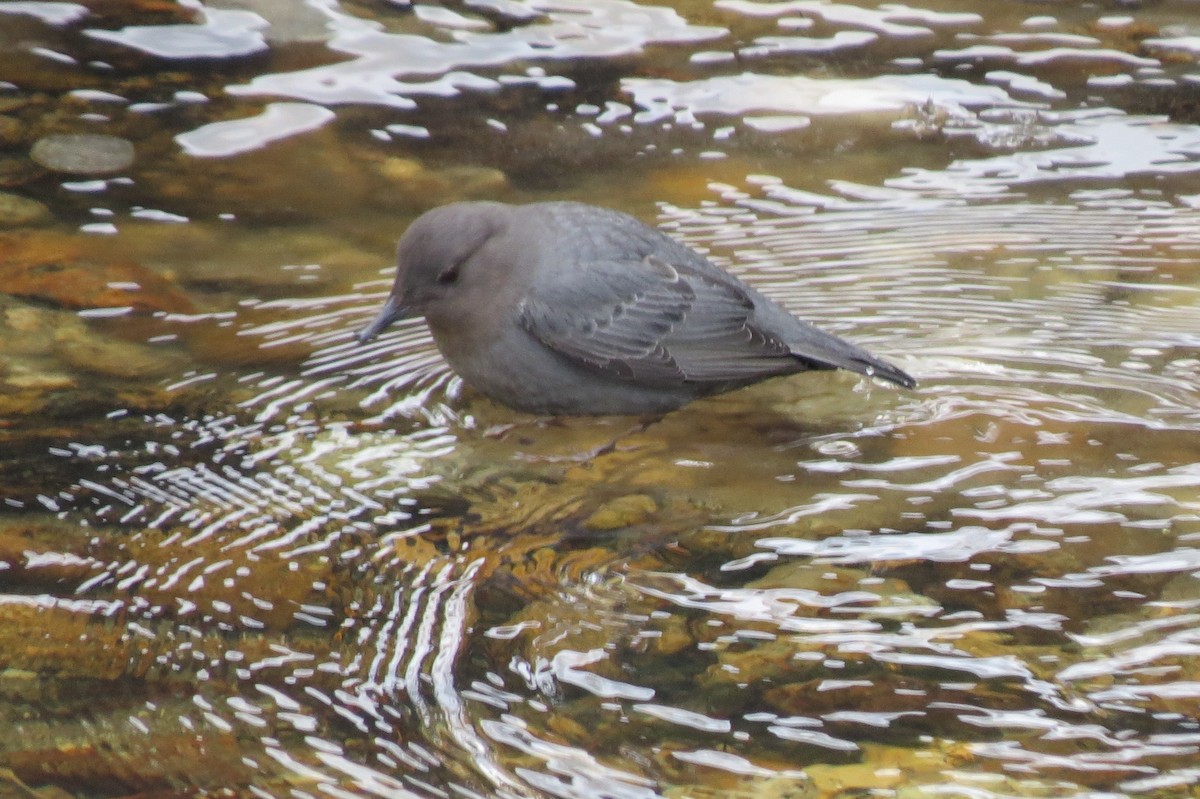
734 764
364 777
1132 751
396 642
962 544
567 29
289 396
404 357
92 485
423 644
219 524
456 611
1141 627
96 607
993 463
565 668
169 495
1099 499
236 136
683 717
301 772
777 606
821 504
1136 658
587 778
440 617
1175 560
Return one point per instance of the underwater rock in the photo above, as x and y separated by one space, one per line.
12 132
18 172
16 211
421 186
89 352
622 512
254 261
55 638
83 153
56 269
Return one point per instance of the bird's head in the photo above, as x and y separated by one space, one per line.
435 261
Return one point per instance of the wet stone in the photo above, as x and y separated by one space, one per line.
263 185
9 104
28 557
424 187
55 269
18 211
259 262
92 353
83 153
11 784
28 331
622 512
12 132
18 171
39 381
768 662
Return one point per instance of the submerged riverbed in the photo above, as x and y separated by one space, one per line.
241 555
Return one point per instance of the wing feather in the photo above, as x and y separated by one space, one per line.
657 322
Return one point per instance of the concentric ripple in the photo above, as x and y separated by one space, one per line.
297 566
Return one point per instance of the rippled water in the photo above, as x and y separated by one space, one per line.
242 555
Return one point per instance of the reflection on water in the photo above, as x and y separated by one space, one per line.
241 554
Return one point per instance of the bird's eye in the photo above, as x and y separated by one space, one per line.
449 276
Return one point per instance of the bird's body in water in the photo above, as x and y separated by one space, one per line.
566 308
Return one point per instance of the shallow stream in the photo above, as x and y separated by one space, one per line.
241 555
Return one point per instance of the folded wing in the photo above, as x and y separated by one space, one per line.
669 323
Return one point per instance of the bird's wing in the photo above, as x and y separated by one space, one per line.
655 321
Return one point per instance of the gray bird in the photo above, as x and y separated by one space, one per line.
567 308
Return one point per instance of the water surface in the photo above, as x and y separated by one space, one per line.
242 555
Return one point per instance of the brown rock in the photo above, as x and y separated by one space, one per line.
12 132
55 269
17 211
622 512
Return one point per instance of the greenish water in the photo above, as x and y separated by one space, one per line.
241 555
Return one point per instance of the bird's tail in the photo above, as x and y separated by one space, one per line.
821 350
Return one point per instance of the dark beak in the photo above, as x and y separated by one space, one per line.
392 311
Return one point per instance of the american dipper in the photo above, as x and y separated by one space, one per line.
567 308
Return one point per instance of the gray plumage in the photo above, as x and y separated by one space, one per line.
567 308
